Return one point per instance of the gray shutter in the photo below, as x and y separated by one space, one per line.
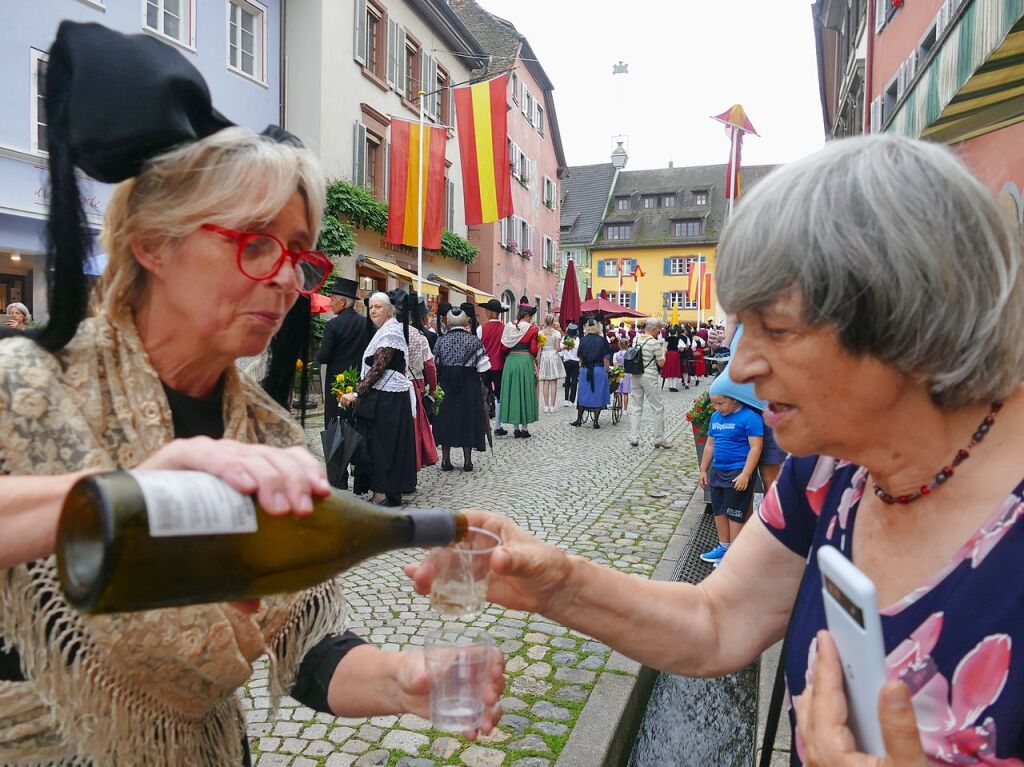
359 154
428 73
360 32
450 207
400 59
391 75
450 117
387 170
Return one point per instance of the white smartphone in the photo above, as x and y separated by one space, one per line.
851 609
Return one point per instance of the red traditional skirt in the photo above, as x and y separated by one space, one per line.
699 369
672 368
426 451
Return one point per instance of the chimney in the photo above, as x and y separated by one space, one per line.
670 165
619 156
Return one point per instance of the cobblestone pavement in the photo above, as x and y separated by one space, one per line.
584 490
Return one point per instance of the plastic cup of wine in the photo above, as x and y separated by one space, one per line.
457 664
461 572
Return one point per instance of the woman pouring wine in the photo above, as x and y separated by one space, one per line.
147 382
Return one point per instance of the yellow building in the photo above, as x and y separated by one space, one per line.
665 222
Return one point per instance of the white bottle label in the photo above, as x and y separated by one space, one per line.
193 503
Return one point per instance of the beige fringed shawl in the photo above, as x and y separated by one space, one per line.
153 688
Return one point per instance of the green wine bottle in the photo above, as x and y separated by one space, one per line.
140 540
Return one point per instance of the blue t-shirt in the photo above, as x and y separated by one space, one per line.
954 641
730 433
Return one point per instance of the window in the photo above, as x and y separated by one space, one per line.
621 203
688 227
623 299
373 177
413 61
539 121
549 192
525 237
515 159
246 38
679 265
927 43
38 106
443 97
173 19
514 84
528 105
700 197
650 201
571 255
618 231
677 299
550 259
370 153
668 201
608 267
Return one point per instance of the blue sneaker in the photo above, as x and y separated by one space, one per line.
715 554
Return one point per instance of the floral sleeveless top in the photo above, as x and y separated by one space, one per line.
958 642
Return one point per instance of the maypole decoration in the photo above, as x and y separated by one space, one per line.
737 124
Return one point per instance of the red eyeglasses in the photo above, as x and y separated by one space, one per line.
261 256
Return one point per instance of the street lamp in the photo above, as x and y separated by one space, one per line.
619 156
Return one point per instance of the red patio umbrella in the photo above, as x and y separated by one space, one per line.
569 308
608 308
590 294
319 304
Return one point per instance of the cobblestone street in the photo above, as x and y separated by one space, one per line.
584 490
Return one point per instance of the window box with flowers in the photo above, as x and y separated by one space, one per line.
550 203
527 254
511 246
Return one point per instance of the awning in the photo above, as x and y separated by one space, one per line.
462 287
429 288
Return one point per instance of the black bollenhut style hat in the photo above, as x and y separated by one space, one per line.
343 286
113 101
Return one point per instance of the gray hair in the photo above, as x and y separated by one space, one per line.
654 323
21 308
898 247
381 298
459 320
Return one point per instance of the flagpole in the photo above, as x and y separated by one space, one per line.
618 296
419 208
732 179
700 291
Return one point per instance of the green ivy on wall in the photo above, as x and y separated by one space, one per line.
453 246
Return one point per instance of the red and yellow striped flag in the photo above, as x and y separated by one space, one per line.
696 279
706 302
403 189
482 113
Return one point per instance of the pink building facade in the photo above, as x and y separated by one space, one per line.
519 255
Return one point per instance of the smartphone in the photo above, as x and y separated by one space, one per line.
851 610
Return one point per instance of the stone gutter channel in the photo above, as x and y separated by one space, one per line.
611 721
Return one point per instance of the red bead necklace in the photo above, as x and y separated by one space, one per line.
947 471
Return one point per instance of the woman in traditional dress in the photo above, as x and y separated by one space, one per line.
461 420
385 402
595 358
147 382
551 368
519 375
672 370
421 373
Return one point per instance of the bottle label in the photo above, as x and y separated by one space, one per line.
193 503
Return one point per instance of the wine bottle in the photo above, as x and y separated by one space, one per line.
140 540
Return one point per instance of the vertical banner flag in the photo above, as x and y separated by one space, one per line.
736 125
403 189
482 114
706 302
696 279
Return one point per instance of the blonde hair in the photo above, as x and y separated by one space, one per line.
550 320
235 178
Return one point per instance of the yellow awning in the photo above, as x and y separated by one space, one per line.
429 288
462 287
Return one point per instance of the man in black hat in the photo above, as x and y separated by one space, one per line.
490 333
345 340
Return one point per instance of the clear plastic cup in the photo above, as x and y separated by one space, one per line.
461 572
457 664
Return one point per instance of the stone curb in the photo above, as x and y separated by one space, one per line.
604 733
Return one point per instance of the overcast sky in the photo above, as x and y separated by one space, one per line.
687 60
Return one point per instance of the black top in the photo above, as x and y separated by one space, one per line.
345 340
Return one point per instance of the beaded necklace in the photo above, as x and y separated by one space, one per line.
947 471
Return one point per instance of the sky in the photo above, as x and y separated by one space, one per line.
687 60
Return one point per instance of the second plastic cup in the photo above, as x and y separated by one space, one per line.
457 664
461 573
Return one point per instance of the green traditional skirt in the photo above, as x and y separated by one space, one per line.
518 389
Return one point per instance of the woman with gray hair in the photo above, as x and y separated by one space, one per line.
18 316
882 296
461 420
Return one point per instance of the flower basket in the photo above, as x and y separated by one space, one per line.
699 418
344 383
527 254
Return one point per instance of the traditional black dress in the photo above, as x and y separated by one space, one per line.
461 421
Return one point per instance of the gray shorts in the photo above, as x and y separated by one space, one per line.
771 453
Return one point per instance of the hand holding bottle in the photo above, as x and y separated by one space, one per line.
526 574
282 480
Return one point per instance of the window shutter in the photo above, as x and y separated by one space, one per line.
667 266
876 115
400 57
632 300
632 266
450 207
392 69
360 32
526 100
451 104
387 170
359 155
600 268
880 9
428 73
540 119
503 231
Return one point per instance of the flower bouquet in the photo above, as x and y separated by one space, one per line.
438 399
569 342
615 374
700 417
344 383
541 341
